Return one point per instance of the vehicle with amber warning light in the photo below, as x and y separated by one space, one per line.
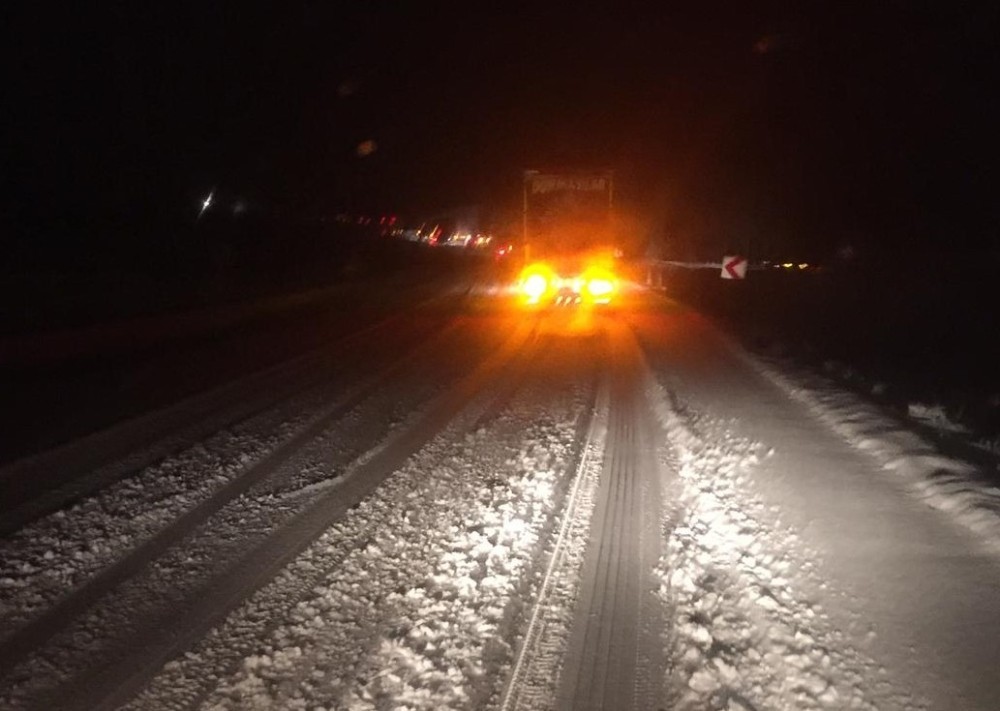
569 239
543 284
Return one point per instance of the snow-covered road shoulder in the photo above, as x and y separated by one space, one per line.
963 490
748 632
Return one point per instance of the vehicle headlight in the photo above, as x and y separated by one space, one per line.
600 287
534 286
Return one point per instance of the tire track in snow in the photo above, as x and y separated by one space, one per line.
17 646
531 680
455 633
115 679
606 656
43 483
420 589
42 562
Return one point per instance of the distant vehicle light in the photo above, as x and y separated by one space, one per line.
803 266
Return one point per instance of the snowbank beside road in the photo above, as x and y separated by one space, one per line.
959 488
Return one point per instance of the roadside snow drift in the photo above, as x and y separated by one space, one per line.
969 495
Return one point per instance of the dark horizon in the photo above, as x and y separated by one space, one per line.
809 129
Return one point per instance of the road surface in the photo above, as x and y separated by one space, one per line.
471 505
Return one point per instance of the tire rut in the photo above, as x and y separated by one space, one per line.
119 675
606 648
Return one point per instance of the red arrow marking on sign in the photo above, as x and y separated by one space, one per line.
731 266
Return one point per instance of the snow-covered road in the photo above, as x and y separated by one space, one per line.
518 510
820 554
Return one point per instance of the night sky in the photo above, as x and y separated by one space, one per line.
804 126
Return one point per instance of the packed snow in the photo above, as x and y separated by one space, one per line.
532 682
909 587
747 632
229 532
800 526
45 559
965 491
415 598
